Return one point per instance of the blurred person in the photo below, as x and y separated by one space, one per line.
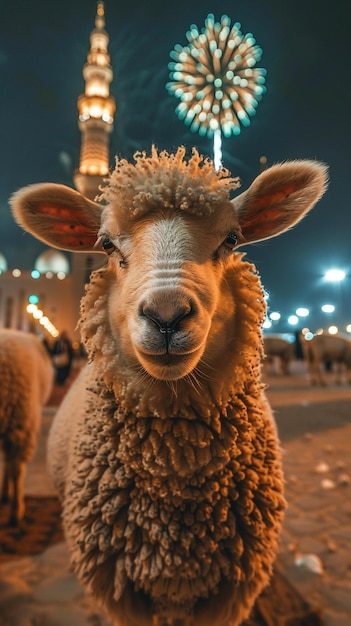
62 355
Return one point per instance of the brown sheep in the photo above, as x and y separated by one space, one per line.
324 349
165 451
26 375
280 349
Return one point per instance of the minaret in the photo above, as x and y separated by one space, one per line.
96 108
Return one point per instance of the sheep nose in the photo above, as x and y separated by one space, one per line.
167 321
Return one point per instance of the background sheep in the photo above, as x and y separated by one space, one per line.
278 349
26 376
323 350
165 452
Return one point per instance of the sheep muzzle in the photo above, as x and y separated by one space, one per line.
169 334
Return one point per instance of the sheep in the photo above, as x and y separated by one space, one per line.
26 377
165 452
278 348
323 349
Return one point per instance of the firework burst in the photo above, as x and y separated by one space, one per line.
215 79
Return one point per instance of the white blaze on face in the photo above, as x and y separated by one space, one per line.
168 245
170 319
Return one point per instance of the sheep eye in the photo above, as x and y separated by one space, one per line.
107 245
231 240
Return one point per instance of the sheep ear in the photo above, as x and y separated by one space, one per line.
279 198
58 215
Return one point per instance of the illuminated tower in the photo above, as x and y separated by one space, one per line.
96 108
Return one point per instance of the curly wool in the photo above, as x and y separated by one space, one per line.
26 375
167 180
26 380
172 507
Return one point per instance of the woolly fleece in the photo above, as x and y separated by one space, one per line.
26 376
174 506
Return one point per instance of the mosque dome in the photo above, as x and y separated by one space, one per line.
52 261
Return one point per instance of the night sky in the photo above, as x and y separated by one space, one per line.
304 114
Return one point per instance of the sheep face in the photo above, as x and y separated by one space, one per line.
169 299
170 231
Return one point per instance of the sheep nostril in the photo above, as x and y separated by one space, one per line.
167 321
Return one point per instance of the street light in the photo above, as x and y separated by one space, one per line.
267 323
293 320
333 330
302 311
328 308
334 275
275 316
